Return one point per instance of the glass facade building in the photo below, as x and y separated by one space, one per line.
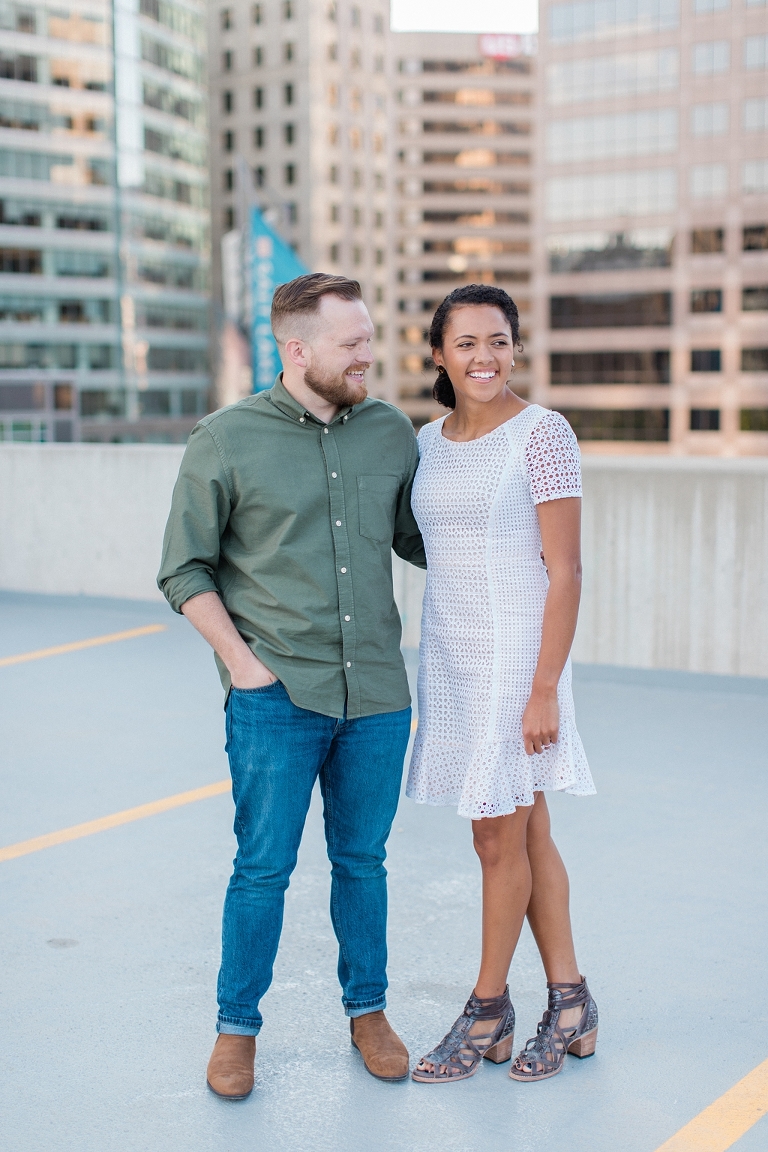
650 298
104 263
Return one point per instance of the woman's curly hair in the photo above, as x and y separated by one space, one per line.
468 294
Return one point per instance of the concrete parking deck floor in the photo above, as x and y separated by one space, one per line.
110 943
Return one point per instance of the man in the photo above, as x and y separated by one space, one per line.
278 550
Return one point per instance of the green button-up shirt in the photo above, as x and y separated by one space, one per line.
293 523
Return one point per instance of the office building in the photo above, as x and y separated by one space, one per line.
650 321
463 126
103 269
299 97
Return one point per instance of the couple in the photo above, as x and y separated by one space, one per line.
278 551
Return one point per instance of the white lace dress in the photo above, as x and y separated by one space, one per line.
475 504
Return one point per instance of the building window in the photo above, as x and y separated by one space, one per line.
709 119
333 134
290 174
357 255
258 56
378 181
626 74
63 397
334 253
708 181
755 52
649 424
293 212
155 402
288 52
257 13
581 21
755 238
229 219
259 137
756 114
228 101
379 220
379 256
288 94
287 9
258 98
705 360
333 174
289 133
379 294
355 58
706 300
378 25
754 359
227 20
755 299
228 142
754 420
711 56
357 217
229 179
755 176
335 213
706 240
705 420
357 178
333 51
591 197
260 177
635 310
227 60
355 14
642 133
644 367
332 11
609 251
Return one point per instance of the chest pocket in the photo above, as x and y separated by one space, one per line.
376 498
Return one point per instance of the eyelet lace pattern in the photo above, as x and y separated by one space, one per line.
475 503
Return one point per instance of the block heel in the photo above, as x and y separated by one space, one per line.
502 1051
585 1045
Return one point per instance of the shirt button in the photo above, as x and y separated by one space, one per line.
349 663
343 569
302 420
325 430
338 523
347 617
333 474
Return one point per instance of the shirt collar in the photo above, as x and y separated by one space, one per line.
282 399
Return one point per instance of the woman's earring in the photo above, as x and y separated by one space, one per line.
513 363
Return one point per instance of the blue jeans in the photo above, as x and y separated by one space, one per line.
276 752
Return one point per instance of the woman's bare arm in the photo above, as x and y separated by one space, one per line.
207 613
560 524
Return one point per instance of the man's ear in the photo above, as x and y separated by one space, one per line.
297 352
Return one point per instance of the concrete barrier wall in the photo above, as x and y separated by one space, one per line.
675 550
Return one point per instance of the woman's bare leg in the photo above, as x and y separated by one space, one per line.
548 912
501 844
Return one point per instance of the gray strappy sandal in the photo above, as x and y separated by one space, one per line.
461 1051
544 1054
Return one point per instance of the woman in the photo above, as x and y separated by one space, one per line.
499 480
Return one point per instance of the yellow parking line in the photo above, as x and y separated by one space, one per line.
77 645
24 847
720 1125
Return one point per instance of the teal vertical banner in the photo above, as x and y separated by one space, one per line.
273 262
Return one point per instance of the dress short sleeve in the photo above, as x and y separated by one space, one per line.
553 460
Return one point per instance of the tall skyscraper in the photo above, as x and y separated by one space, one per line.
650 327
463 112
299 127
104 267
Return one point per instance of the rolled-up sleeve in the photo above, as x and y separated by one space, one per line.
407 542
200 508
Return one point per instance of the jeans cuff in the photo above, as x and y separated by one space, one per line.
354 1010
237 1027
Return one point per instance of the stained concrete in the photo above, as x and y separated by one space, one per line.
109 946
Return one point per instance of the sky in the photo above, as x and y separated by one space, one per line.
463 16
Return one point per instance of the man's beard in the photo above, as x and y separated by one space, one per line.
335 389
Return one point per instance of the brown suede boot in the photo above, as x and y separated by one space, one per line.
230 1068
383 1052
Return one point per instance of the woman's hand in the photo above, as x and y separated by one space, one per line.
541 720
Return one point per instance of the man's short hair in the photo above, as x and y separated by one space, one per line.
301 298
